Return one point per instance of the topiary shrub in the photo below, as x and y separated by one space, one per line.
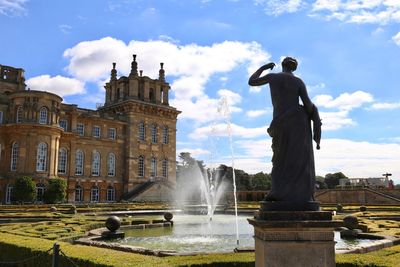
350 222
339 208
24 189
56 191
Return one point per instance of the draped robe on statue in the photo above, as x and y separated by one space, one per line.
293 171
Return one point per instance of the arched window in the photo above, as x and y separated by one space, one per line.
43 116
20 114
9 194
41 159
40 188
165 168
94 194
95 163
142 131
62 161
79 159
141 166
111 165
78 194
165 135
14 156
110 194
154 133
153 167
162 95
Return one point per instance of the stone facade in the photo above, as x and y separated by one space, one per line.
103 154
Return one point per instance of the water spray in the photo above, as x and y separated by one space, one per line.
224 110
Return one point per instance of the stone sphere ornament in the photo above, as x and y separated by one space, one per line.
113 223
168 216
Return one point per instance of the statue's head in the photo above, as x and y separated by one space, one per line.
289 64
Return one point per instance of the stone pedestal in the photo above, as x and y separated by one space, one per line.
294 238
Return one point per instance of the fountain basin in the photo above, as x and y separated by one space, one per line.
196 234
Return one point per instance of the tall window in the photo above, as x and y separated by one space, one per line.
96 163
79 159
78 194
165 135
111 164
153 167
80 129
141 166
94 194
41 158
40 192
165 168
142 131
112 133
1 117
9 194
154 133
64 125
62 161
110 194
152 95
43 116
20 114
96 131
14 156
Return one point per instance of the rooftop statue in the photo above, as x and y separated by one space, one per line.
293 170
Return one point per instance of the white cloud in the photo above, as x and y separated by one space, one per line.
257 113
59 85
335 120
315 87
190 67
388 106
396 38
65 28
345 101
355 159
353 11
279 7
358 159
221 129
13 7
255 89
256 148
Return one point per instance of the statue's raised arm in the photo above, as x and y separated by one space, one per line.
256 80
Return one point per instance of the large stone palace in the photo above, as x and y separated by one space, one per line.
123 150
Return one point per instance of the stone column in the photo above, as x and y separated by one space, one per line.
294 238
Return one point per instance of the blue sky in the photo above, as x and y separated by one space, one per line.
348 53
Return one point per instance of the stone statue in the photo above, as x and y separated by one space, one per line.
293 171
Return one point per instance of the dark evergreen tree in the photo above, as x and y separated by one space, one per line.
56 191
332 179
24 189
261 181
320 182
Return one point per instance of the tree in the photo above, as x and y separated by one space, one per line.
332 179
56 191
261 181
320 182
24 189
